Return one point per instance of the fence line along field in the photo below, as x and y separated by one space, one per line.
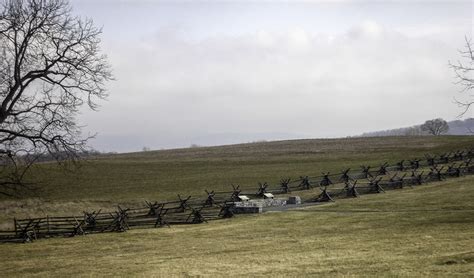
130 179
419 231
424 231
195 211
218 203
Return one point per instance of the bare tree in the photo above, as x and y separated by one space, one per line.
413 131
435 127
50 65
464 71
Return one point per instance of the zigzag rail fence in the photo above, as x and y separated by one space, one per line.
217 205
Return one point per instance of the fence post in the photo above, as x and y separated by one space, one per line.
14 223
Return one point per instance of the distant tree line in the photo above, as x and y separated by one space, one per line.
431 127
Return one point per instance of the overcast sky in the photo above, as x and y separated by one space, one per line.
219 72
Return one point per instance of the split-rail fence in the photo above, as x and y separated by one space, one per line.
187 210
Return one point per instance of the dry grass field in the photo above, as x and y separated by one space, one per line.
425 231
131 178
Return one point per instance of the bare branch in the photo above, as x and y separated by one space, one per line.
464 74
50 65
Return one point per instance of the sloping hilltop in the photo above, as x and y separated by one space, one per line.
424 231
129 179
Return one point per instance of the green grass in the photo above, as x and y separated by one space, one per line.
425 231
131 178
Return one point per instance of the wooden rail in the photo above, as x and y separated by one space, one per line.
188 210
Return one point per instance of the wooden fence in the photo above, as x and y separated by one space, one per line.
346 184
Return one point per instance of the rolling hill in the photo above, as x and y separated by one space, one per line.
457 127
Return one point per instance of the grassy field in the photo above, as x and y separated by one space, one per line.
131 178
425 231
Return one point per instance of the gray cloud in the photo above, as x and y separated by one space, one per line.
173 91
